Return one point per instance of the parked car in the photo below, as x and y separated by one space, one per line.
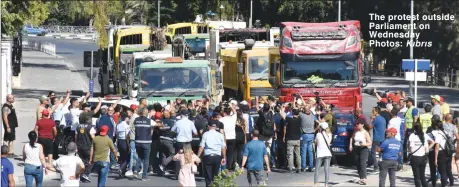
345 129
29 29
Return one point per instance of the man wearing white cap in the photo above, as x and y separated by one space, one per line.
436 110
43 104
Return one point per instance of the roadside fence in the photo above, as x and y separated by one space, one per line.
45 47
69 29
448 78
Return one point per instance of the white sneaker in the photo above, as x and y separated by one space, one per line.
129 173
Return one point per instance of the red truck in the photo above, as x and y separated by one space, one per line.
319 60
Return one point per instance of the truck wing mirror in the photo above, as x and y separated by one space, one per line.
240 68
272 81
218 76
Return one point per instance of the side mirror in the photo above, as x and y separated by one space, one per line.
240 68
272 81
218 77
367 79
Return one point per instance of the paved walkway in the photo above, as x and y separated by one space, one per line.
41 73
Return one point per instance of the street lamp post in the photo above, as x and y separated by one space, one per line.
159 13
221 11
339 10
411 52
251 11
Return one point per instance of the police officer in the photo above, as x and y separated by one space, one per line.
143 138
84 134
214 148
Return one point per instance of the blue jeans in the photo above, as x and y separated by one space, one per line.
400 158
306 149
274 152
31 172
133 156
102 169
112 156
143 149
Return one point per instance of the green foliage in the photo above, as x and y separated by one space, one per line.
16 13
224 179
100 20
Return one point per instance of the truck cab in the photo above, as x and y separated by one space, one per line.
250 65
161 81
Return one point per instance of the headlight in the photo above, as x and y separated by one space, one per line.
135 86
287 42
351 41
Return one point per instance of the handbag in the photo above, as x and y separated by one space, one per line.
323 136
194 169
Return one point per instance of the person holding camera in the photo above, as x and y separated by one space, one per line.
265 124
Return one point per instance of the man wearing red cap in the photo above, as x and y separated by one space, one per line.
390 150
101 145
46 130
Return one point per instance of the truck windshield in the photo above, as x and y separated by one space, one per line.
258 67
173 79
327 70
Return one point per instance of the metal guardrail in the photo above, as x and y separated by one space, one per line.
448 79
69 29
45 47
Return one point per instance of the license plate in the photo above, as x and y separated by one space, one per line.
336 149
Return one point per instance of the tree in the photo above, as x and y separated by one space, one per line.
19 12
100 20
137 11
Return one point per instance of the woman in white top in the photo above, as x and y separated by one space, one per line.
359 144
442 159
418 148
323 140
34 161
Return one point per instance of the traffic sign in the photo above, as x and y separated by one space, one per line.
423 64
91 87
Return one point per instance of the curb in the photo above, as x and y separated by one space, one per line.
74 38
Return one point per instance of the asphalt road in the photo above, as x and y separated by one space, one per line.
71 50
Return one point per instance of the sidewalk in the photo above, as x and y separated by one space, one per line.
40 74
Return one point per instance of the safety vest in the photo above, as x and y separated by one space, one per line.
426 121
409 118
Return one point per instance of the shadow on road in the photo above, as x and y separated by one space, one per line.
64 53
51 66
33 93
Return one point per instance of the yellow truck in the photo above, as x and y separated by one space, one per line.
245 72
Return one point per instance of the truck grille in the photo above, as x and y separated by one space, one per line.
261 91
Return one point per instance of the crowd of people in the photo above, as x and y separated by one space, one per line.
184 138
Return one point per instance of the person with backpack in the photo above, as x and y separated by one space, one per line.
444 150
265 124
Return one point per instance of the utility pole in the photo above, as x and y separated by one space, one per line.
251 11
411 48
339 10
159 13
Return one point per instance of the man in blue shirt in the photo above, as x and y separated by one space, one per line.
390 150
185 129
254 154
214 148
378 124
7 168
